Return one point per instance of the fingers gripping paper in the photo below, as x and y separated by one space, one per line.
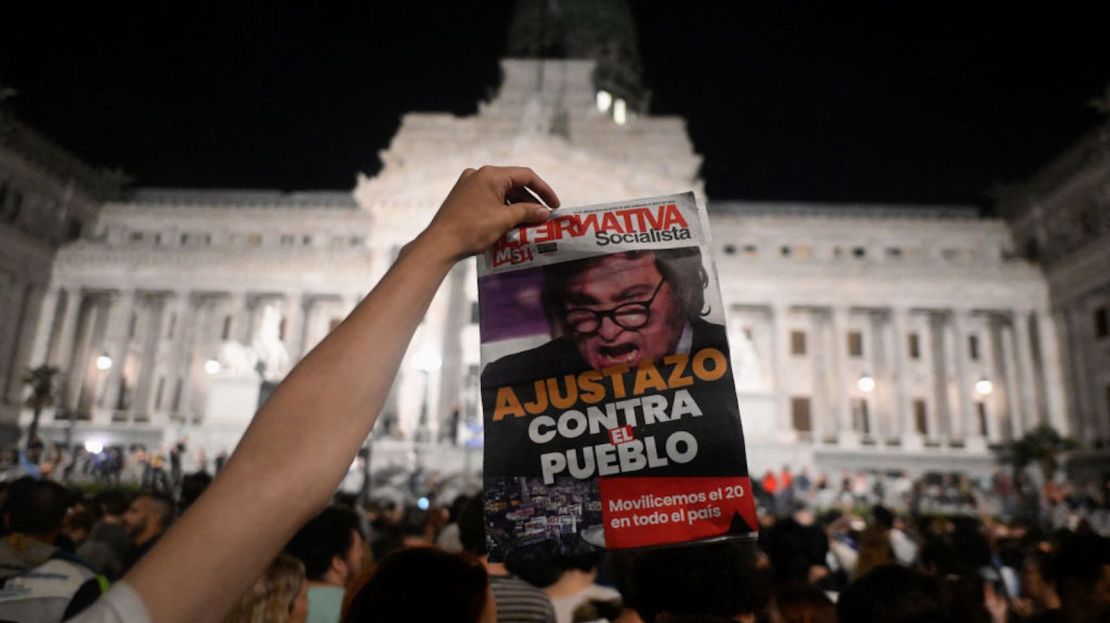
611 418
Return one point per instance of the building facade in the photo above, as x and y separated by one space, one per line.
914 338
1061 220
48 198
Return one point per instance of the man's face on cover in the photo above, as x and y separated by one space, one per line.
626 313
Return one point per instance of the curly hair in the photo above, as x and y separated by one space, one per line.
681 268
272 596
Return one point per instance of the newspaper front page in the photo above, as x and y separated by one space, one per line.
610 412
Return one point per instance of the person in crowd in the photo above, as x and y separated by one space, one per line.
892 594
332 548
301 442
106 550
41 582
425 584
77 526
516 599
576 585
146 519
1038 600
904 548
718 579
280 595
798 549
802 604
874 550
1082 573
192 485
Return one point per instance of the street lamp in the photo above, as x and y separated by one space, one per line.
94 447
984 387
866 383
103 362
212 366
426 360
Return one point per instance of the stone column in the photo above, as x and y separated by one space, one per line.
941 412
76 376
1053 375
62 355
237 310
900 414
19 356
847 435
780 350
1027 383
12 307
1013 415
180 357
1076 322
967 422
44 328
294 317
823 410
156 308
116 341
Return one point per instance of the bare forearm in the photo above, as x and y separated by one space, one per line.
299 445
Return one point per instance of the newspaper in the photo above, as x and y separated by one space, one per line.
610 411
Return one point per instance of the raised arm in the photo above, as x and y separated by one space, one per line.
302 441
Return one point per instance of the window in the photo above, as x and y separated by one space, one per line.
306 241
855 344
132 322
785 250
74 228
914 346
474 313
358 241
226 332
920 416
254 240
730 249
861 418
288 240
282 324
800 414
158 393
750 250
981 414
893 253
137 236
803 252
950 254
859 252
973 347
798 343
1102 322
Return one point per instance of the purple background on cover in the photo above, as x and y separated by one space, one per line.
511 305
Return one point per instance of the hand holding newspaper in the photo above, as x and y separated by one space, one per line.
610 411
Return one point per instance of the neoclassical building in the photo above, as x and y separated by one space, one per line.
905 337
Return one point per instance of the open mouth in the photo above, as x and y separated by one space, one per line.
619 353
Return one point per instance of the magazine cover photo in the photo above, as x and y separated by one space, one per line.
611 417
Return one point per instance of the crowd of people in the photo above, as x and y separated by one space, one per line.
862 546
266 539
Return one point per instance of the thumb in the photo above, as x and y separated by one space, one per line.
528 213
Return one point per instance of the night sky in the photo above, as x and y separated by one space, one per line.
920 103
